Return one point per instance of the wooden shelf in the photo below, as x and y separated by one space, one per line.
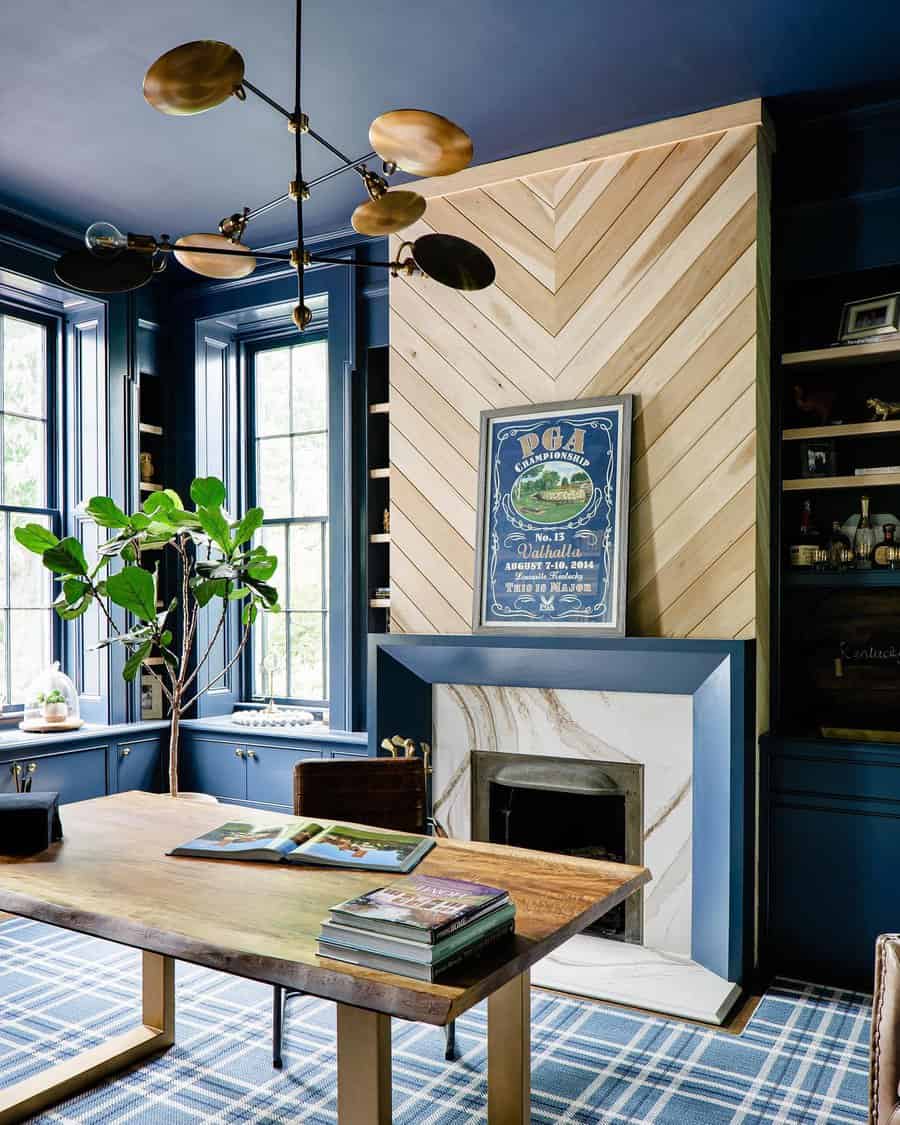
845 355
820 484
850 429
147 486
379 474
380 537
380 408
844 579
379 603
146 428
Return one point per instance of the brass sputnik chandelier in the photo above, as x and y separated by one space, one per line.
198 76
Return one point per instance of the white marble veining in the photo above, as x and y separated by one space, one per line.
653 730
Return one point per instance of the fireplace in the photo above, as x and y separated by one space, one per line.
579 808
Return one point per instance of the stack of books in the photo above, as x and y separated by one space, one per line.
418 927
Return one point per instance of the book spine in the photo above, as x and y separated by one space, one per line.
473 950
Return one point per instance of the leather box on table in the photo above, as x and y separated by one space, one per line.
29 822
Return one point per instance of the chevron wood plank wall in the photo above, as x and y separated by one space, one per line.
641 271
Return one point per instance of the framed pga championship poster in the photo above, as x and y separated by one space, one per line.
552 549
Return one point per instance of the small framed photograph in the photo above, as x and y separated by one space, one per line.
818 458
862 320
151 698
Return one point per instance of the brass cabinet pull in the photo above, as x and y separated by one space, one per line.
238 753
251 754
32 767
125 751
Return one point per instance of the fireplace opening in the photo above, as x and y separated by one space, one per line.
586 809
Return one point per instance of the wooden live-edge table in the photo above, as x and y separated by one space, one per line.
110 877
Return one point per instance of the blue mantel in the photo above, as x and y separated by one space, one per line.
718 675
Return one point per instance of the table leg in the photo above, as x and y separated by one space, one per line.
364 1066
509 1053
155 1033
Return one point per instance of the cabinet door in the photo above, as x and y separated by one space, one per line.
77 775
136 764
270 773
212 765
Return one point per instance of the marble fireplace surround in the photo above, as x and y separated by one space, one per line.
715 676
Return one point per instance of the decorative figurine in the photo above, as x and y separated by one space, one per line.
883 410
147 467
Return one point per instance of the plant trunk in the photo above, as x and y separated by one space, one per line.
173 749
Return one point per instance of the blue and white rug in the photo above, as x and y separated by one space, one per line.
801 1060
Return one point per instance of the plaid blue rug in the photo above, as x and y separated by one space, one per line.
801 1060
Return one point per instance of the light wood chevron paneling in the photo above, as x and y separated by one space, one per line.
642 269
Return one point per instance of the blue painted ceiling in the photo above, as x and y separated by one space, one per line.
77 141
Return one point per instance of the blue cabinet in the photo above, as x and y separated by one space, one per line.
831 841
136 763
212 765
249 768
77 774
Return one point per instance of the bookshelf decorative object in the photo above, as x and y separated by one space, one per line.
839 556
378 518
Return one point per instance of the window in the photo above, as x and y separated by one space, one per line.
26 622
289 408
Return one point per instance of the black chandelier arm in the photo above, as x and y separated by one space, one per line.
298 161
356 165
266 207
328 260
266 255
265 97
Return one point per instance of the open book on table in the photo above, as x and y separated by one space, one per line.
310 841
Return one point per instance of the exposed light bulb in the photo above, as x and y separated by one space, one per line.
105 240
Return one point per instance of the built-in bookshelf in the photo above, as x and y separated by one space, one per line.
839 414
378 568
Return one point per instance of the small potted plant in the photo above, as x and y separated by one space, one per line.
55 708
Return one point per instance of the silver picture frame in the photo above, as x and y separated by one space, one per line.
620 406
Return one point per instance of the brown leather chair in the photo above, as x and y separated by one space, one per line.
383 792
884 1085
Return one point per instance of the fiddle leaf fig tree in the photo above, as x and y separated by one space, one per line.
215 566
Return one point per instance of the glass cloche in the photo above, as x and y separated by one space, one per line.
51 701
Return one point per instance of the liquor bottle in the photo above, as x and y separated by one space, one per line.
864 539
804 546
836 545
884 552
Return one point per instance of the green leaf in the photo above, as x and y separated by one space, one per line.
248 527
207 589
157 503
216 527
133 588
75 588
66 557
165 638
133 663
36 538
248 616
71 612
263 567
140 522
237 594
208 492
268 594
105 512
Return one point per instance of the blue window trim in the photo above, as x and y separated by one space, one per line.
56 461
250 349
335 286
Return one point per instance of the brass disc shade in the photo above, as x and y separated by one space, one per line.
453 261
214 265
388 213
93 273
419 142
193 77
